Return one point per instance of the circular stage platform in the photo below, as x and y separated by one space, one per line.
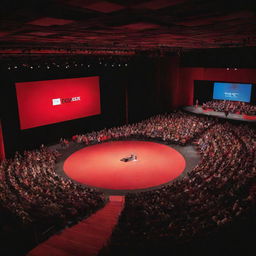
101 166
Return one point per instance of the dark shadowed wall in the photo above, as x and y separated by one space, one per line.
2 153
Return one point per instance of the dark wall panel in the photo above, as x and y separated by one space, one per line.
203 91
167 82
141 90
2 150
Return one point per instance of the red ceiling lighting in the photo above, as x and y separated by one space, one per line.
48 21
42 33
158 4
139 26
4 33
133 24
105 7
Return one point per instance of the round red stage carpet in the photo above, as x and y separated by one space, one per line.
100 166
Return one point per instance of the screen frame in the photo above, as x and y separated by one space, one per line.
238 83
203 90
30 81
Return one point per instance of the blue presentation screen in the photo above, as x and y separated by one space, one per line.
232 91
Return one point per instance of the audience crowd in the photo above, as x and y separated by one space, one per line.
236 107
177 127
32 191
215 193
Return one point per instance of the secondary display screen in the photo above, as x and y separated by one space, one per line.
232 91
52 101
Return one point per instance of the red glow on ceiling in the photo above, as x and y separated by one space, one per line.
140 26
48 21
105 7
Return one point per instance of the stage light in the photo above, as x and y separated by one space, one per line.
15 67
227 68
235 68
9 68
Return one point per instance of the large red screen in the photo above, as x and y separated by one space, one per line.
52 101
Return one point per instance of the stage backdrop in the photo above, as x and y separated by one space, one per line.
175 84
187 76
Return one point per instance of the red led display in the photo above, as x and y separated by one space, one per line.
52 101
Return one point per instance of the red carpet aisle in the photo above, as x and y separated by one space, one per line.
86 238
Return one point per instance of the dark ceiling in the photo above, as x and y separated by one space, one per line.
127 25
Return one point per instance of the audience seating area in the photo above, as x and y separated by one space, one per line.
32 192
236 107
214 194
177 127
217 192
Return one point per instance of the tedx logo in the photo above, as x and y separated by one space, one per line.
60 101
56 102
